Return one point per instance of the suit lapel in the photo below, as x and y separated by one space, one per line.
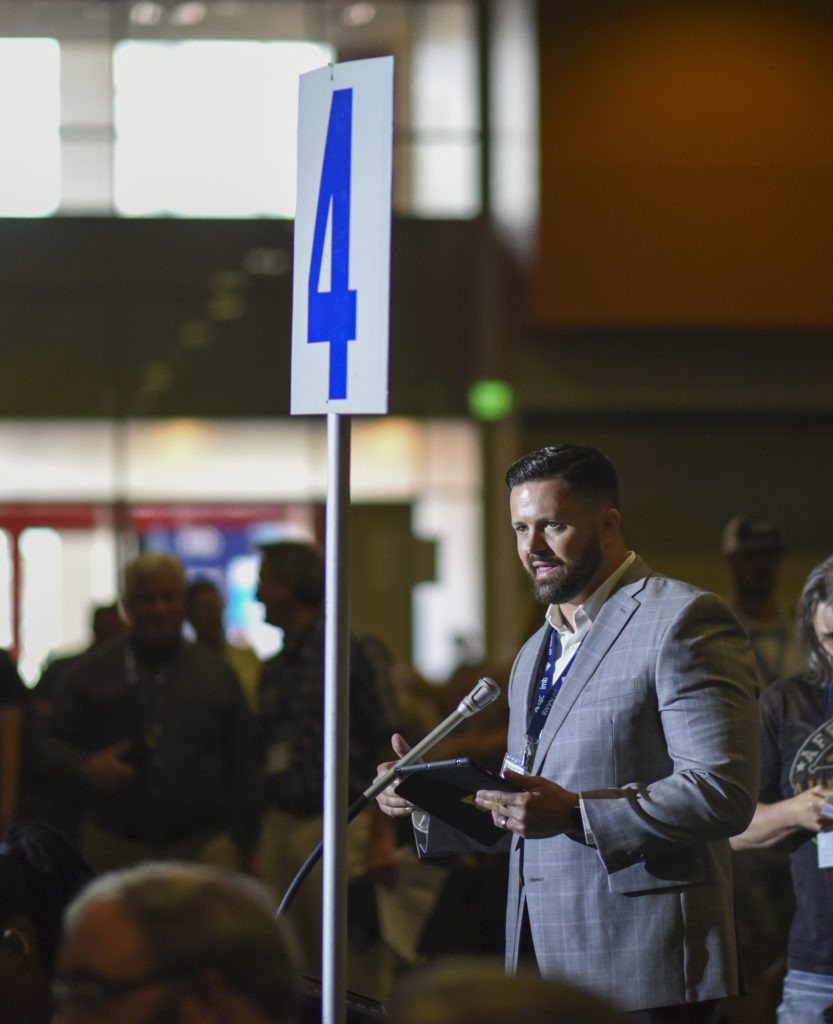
612 619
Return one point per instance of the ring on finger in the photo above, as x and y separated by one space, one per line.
505 822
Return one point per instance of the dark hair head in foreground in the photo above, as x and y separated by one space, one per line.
40 873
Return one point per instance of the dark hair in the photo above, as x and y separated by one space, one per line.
300 563
146 563
40 873
203 585
578 467
818 589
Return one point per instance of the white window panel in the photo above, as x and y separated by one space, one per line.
5 589
30 170
446 179
208 129
86 128
445 115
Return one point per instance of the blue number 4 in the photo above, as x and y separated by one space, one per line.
332 314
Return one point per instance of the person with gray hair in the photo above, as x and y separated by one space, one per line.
796 716
156 737
170 943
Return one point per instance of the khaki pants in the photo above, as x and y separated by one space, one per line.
286 842
106 852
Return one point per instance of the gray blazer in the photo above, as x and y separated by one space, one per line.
656 727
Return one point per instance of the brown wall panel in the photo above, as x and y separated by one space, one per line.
687 164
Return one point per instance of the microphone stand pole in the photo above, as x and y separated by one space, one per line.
336 718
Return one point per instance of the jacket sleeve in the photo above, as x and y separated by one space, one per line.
705 682
58 751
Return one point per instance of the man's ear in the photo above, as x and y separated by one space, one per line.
611 524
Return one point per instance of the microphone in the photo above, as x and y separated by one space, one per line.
485 691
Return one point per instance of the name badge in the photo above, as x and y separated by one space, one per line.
512 764
825 849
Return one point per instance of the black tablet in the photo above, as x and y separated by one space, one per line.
446 789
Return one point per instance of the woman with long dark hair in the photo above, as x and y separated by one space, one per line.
796 783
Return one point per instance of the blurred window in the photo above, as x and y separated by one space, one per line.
202 127
5 589
199 119
30 171
445 150
40 599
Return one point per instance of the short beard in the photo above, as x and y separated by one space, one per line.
571 579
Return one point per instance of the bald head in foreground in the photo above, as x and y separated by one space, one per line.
175 943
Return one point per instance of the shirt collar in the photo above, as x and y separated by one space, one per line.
588 611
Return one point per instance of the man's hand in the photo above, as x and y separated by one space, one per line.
106 771
388 801
543 809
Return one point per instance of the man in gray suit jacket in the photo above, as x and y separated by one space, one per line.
633 734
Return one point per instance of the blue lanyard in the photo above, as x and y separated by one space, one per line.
547 690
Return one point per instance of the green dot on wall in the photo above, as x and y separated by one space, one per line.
490 399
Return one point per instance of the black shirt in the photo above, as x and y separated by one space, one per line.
796 754
190 734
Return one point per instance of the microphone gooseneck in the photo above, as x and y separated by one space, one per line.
485 691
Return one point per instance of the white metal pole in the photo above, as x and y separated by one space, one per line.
336 724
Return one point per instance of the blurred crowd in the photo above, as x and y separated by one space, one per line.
146 749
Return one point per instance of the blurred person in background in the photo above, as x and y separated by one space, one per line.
106 623
13 702
40 872
42 797
291 589
155 733
753 553
204 610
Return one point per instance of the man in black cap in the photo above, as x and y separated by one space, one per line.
754 553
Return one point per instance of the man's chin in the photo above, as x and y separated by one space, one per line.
548 594
556 591
160 640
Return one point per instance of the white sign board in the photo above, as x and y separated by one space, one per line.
341 276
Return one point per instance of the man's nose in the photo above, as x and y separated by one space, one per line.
533 541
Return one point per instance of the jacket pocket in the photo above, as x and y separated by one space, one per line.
679 869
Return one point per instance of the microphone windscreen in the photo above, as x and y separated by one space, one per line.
484 693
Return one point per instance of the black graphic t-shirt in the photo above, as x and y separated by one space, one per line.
796 754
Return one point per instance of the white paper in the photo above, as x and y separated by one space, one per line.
825 845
